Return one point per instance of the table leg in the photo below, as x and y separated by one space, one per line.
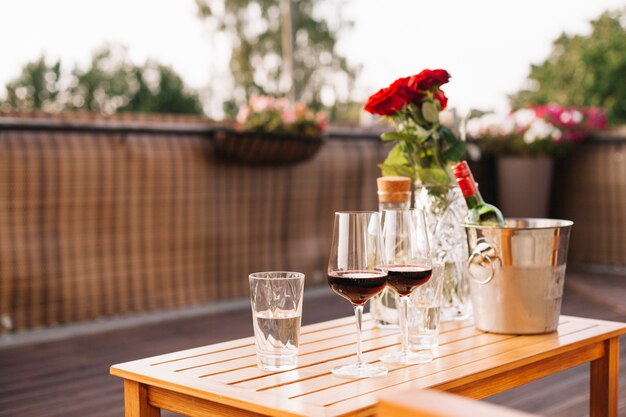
604 381
136 400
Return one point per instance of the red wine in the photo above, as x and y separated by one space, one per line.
406 278
357 286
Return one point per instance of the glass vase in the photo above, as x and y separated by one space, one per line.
445 211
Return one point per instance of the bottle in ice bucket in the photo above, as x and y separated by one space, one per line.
393 193
480 213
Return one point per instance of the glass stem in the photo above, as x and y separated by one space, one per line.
404 323
358 313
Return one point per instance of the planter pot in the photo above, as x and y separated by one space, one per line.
265 148
524 185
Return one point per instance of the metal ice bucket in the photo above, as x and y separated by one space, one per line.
516 274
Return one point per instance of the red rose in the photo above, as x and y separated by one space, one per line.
403 91
441 97
389 100
428 79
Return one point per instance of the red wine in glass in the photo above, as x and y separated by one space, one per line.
357 286
409 265
405 278
357 270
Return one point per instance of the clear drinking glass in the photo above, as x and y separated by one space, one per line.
425 311
409 266
276 299
357 272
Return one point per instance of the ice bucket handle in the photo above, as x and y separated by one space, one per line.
483 262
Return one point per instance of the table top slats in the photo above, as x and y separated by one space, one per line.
374 344
457 352
264 381
232 351
474 359
227 372
327 381
249 341
342 352
368 398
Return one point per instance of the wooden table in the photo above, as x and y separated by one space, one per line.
223 379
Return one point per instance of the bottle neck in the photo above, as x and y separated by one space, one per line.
474 201
470 191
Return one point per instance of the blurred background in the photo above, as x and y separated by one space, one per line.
130 215
208 57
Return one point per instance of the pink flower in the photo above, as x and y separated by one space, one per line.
261 103
595 118
322 120
575 123
281 104
265 113
288 116
243 114
300 110
571 117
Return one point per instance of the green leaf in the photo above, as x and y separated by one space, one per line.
455 152
433 176
396 156
447 135
395 136
397 164
430 112
416 114
397 170
421 134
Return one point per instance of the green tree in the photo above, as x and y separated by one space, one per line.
111 83
583 70
254 29
38 87
169 95
106 85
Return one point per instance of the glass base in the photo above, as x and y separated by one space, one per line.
423 341
405 358
269 362
359 371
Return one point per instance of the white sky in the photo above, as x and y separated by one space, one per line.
487 45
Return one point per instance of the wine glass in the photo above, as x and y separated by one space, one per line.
357 272
409 265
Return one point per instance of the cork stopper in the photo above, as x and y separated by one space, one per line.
393 189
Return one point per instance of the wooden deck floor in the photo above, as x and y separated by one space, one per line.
70 377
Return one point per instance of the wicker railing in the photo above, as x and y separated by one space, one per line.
590 189
118 217
104 217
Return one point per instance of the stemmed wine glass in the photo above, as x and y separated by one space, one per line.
357 272
409 264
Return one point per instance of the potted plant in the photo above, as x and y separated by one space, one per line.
272 131
525 142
